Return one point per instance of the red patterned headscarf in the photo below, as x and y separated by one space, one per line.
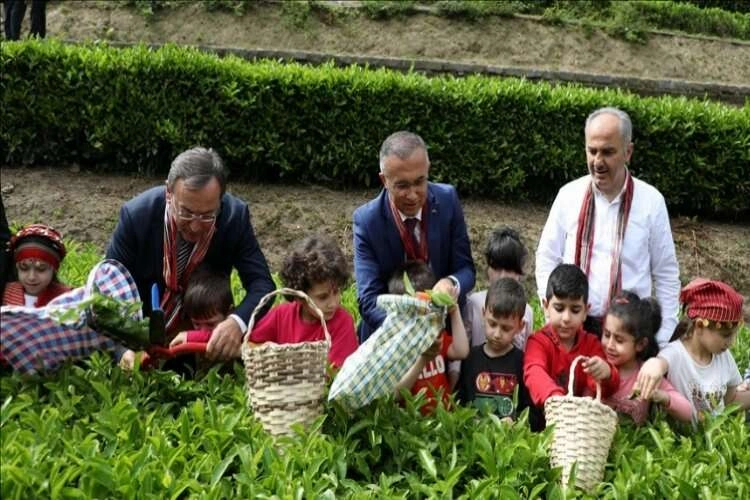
38 241
711 300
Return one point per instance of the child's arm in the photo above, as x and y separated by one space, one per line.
650 376
459 347
536 375
408 380
742 398
675 403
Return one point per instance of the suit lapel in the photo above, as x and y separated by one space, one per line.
393 244
433 226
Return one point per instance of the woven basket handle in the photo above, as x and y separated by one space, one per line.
572 376
286 291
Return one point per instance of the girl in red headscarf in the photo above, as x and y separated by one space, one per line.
697 360
37 251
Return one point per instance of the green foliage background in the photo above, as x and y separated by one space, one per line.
135 109
93 431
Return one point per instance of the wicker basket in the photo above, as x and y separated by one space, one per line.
583 432
285 382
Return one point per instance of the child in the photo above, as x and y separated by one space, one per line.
551 350
697 357
37 251
317 267
506 257
629 338
493 370
428 373
207 302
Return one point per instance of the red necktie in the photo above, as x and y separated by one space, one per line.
411 225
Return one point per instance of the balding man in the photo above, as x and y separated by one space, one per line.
614 226
411 219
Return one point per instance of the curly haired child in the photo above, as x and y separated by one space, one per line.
697 359
317 267
38 251
629 339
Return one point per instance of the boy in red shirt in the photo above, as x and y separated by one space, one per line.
429 372
551 350
317 267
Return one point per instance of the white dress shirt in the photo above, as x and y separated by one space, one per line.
649 263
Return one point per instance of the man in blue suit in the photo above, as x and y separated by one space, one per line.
165 233
411 219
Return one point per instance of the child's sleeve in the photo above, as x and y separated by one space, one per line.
343 338
679 407
198 336
536 372
267 329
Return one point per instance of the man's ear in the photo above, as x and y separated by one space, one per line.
381 175
628 152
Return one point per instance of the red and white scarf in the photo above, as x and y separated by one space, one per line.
421 252
585 236
171 301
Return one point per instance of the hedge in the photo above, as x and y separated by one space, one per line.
509 139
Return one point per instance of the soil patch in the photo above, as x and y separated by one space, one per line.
85 206
497 41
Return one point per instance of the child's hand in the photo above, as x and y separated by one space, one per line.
597 368
180 338
649 377
433 350
127 361
660 397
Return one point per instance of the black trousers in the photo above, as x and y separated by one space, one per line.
14 12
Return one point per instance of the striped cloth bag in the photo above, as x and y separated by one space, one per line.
34 340
373 370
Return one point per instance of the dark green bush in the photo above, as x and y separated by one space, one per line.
135 109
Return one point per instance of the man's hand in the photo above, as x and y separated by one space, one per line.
225 341
180 338
597 368
446 285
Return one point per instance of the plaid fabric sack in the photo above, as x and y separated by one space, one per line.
373 370
33 341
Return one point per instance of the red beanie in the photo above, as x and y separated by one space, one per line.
38 241
712 300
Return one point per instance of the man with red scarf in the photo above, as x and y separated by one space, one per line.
165 233
411 219
613 226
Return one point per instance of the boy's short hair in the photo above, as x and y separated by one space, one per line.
506 297
505 250
567 281
207 293
314 259
419 273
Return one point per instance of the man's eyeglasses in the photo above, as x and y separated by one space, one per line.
188 216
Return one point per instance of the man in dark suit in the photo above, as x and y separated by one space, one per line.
163 234
411 219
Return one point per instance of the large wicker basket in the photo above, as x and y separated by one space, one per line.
582 434
285 382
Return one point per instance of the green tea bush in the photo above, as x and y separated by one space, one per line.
135 109
93 431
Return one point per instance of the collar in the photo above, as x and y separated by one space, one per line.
619 196
404 217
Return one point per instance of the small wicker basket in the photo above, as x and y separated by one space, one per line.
582 434
285 383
